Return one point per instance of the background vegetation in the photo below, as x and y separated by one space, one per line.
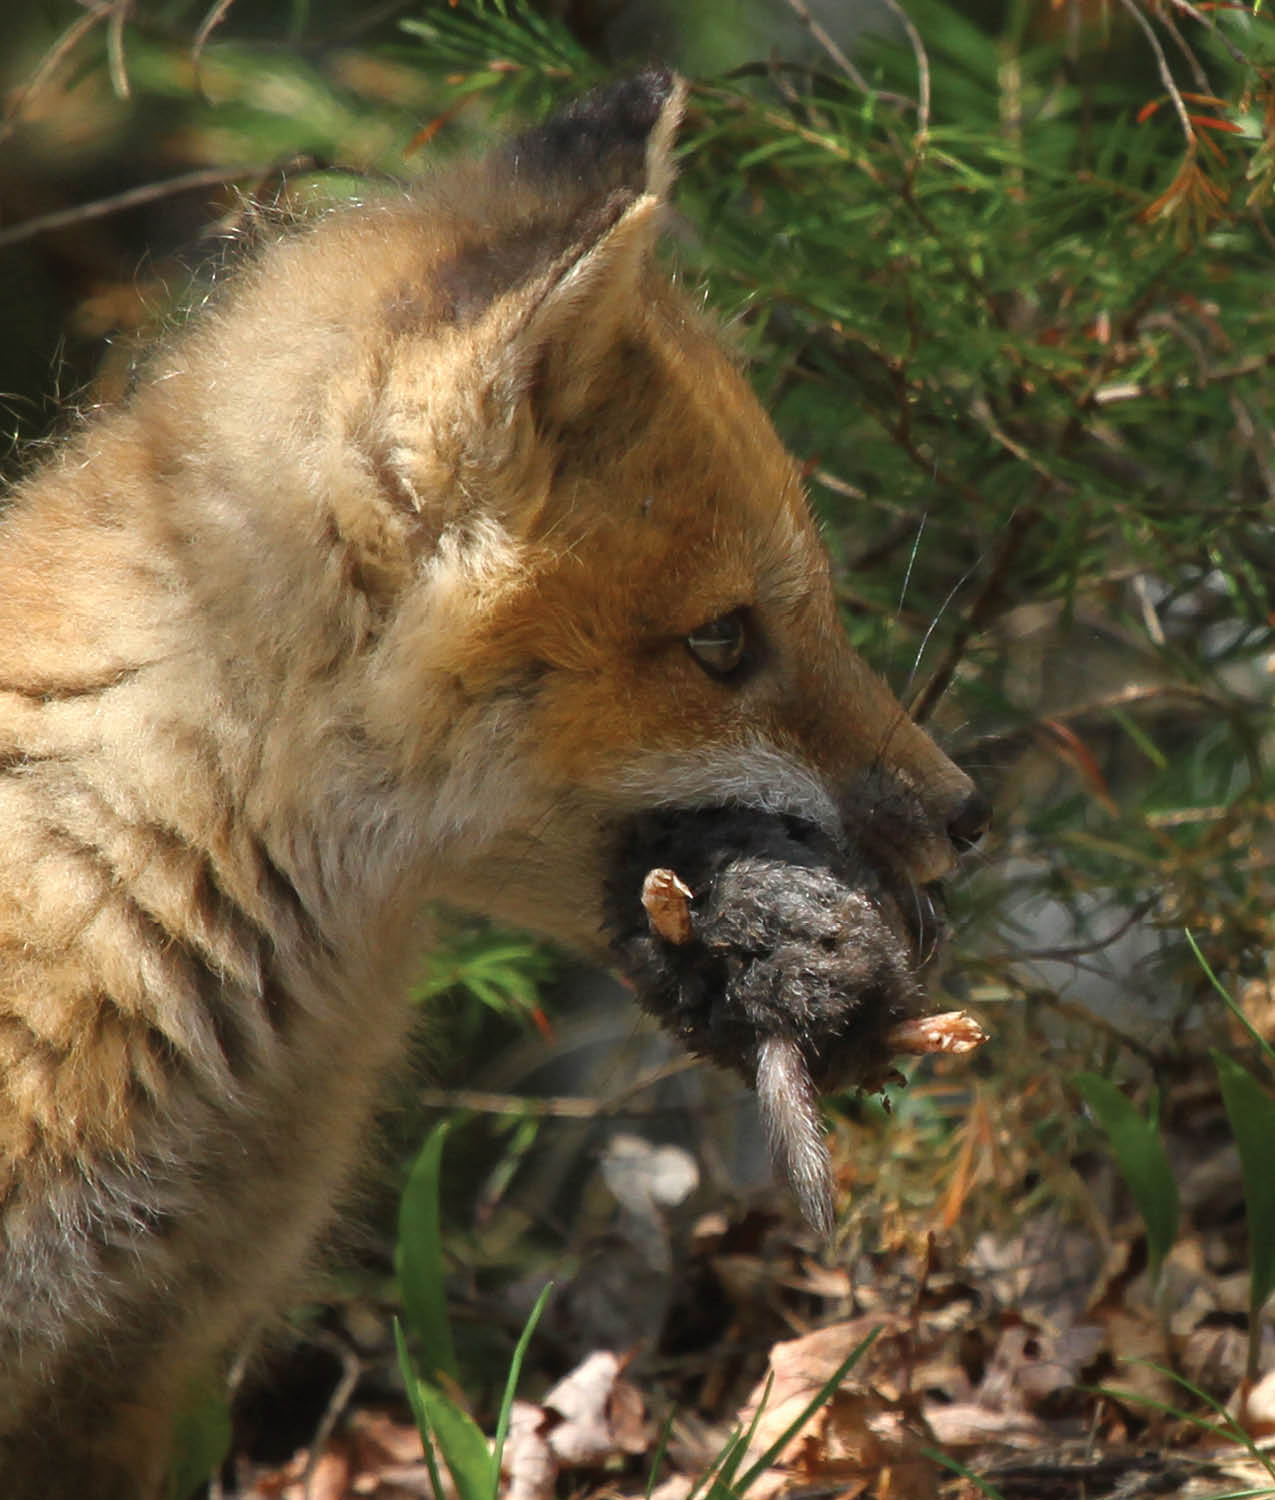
1005 275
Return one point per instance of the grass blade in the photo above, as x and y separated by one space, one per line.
412 1384
1143 1162
1251 1112
824 1394
419 1259
1267 1050
511 1383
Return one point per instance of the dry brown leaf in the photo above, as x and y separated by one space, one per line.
1213 1356
1045 1273
590 1416
1030 1363
378 1438
1254 1409
527 1464
967 1424
857 1437
600 1413
1257 1003
675 1487
1136 1342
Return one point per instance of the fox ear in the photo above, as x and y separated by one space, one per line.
616 138
560 339
609 156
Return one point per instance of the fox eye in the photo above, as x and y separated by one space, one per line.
721 645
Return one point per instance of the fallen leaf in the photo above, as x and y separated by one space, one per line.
857 1437
600 1413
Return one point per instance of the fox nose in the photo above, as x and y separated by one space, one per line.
967 825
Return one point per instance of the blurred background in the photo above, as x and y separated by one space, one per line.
1005 275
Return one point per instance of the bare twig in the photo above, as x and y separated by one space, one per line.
561 1106
775 67
1201 78
1237 54
802 12
1019 524
922 68
217 13
1165 72
48 65
1074 950
148 192
115 49
982 413
351 1371
838 486
1134 390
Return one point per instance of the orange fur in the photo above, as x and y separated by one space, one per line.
376 590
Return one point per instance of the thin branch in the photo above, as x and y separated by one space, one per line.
1072 950
1019 524
1197 15
1165 72
51 61
215 16
115 49
802 12
982 413
562 1106
922 68
1202 83
149 192
1070 1010
775 66
351 1373
1135 390
829 481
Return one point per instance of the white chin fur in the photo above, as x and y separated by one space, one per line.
754 776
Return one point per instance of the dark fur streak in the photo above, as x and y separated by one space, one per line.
288 901
15 762
69 691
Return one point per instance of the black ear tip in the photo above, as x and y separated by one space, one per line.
603 133
620 113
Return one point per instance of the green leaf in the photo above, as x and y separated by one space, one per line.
511 1383
201 1439
1251 1111
1143 1162
461 1442
412 1384
419 1258
449 1428
1237 1011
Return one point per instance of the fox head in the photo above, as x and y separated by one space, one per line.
627 590
565 568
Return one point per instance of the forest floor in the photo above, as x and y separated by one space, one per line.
990 1267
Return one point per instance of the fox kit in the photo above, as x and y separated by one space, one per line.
445 544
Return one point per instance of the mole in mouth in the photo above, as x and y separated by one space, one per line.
769 948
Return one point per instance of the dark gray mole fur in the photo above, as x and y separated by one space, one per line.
794 936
